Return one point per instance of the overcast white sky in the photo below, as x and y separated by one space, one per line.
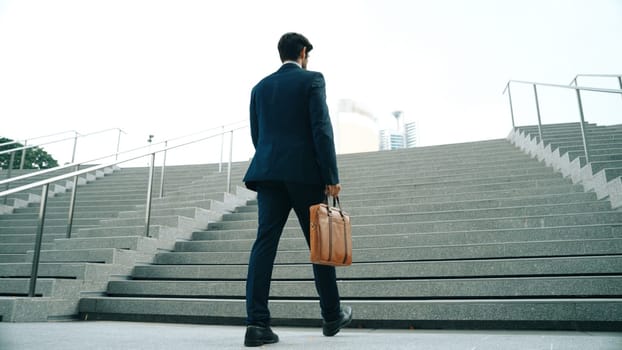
169 68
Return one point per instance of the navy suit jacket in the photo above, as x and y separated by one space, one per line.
291 130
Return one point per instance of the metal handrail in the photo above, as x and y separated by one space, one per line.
46 184
77 135
577 89
38 137
116 154
618 76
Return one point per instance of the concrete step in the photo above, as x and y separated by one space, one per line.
612 173
404 181
295 240
102 197
59 214
32 229
137 243
208 204
172 199
10 223
425 223
155 231
598 154
443 194
190 212
12 258
497 287
423 168
395 212
412 171
431 203
407 313
464 194
491 235
560 266
28 238
176 221
610 246
21 248
597 166
458 186
45 287
101 255
78 271
598 147
91 204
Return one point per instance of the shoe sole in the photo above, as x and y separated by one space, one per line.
338 329
258 343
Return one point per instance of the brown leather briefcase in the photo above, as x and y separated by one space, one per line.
331 235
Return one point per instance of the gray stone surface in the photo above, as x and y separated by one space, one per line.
157 336
418 253
463 268
474 232
546 312
558 287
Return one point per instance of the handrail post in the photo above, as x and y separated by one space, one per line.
149 189
37 253
230 159
75 146
222 146
8 175
72 203
10 165
583 131
116 156
535 93
21 163
620 83
162 174
511 107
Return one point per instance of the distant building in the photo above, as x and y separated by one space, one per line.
410 134
355 128
404 136
391 139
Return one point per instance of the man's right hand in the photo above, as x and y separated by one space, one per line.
333 190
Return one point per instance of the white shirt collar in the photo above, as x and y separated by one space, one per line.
294 62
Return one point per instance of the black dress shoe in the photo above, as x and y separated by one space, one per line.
332 327
257 336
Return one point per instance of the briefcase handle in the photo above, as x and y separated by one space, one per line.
336 203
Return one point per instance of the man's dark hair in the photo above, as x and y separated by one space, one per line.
291 44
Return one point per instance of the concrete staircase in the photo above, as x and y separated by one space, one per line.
466 235
29 197
563 150
108 237
17 231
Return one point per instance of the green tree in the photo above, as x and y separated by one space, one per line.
36 158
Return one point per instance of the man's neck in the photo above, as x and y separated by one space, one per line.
294 62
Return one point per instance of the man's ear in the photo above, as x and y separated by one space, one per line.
303 53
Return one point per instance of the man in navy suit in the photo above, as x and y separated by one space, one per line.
294 166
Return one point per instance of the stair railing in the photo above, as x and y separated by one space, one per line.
9 179
577 89
45 184
7 182
36 138
75 138
617 76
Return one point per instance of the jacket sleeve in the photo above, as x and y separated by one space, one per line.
322 131
253 120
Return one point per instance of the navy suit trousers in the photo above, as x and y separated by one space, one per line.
275 201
